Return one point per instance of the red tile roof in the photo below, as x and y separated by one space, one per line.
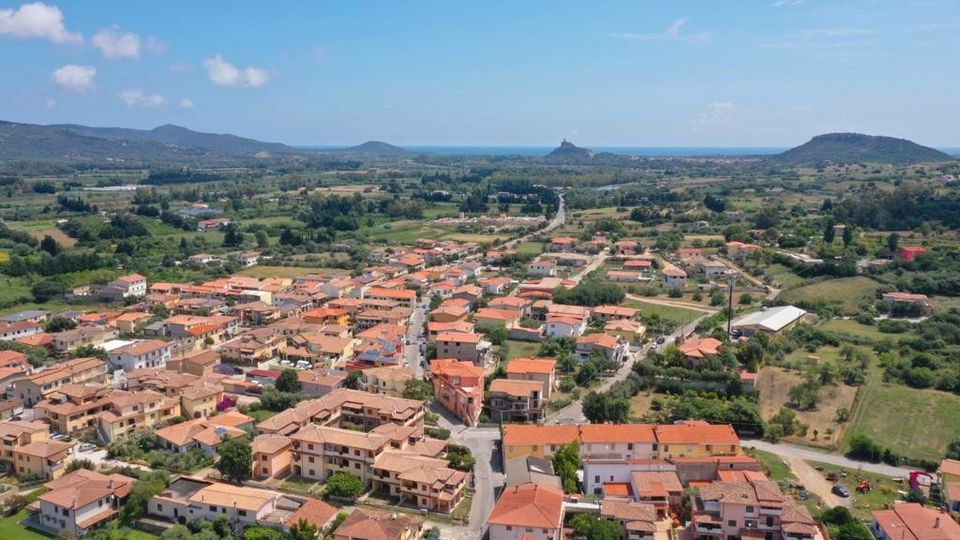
529 505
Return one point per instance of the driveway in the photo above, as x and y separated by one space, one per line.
815 483
786 451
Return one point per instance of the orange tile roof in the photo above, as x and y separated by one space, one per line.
496 314
628 433
455 368
529 505
696 432
701 347
542 366
617 489
458 337
403 294
527 434
517 388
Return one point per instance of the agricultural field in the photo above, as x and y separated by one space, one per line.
774 384
846 293
857 330
911 422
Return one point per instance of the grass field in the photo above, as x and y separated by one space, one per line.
852 328
784 276
846 293
10 527
673 313
522 349
911 422
291 271
775 468
774 384
530 248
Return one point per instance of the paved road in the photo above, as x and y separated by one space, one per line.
415 339
809 454
573 413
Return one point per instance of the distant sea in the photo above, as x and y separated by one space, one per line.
643 151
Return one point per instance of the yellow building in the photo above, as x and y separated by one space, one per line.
629 331
200 400
47 459
38 386
17 433
536 440
272 457
696 438
134 411
389 380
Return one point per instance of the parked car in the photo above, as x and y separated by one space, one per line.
833 477
86 447
840 491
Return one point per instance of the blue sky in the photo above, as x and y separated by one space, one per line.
617 73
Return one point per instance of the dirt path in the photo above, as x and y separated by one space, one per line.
815 483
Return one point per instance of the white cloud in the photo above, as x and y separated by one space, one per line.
674 32
717 115
74 78
156 46
224 73
136 98
36 20
115 44
788 3
840 31
186 103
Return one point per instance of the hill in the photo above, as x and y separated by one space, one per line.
856 148
180 136
30 142
373 148
567 151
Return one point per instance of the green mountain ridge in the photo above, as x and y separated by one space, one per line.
857 148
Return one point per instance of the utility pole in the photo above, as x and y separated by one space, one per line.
733 281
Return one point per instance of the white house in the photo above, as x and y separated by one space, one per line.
559 326
142 353
542 267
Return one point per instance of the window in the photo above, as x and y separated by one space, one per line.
596 478
749 509
732 523
769 521
242 512
213 508
159 507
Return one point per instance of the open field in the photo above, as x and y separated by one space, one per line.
774 384
911 422
852 328
522 349
883 490
530 248
846 293
784 276
10 527
673 313
291 271
640 403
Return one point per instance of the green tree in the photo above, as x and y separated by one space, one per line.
417 389
236 459
893 241
303 530
50 245
262 533
829 233
566 462
263 241
589 526
343 485
848 236
353 380
288 381
140 494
